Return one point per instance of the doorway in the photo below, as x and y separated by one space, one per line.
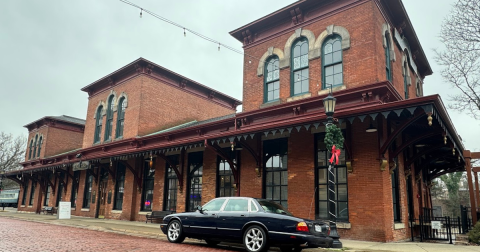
102 194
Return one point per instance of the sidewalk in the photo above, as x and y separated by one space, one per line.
152 230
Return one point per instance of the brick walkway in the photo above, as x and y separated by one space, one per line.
17 235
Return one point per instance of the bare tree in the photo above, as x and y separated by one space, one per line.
12 152
460 35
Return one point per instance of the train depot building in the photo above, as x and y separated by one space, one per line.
153 140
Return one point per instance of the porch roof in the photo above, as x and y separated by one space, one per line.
378 101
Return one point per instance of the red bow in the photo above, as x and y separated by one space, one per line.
335 154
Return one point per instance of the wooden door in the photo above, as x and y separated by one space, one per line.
102 193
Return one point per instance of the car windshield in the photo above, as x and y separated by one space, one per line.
272 207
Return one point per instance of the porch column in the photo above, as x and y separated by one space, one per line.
468 166
477 194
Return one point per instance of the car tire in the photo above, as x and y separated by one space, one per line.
175 232
212 242
255 239
290 249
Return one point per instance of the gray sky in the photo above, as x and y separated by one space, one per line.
50 49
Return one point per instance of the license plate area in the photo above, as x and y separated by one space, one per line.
318 228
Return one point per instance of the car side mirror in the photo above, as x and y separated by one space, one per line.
199 208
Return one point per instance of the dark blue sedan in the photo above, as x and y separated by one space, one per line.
257 223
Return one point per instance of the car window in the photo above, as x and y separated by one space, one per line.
236 205
253 207
272 207
213 205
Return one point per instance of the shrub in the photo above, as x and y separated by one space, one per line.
474 234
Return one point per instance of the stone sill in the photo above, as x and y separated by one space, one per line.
30 206
73 209
345 225
399 226
327 90
22 205
116 211
299 97
85 210
144 212
272 103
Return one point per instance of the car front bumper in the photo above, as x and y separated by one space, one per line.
163 227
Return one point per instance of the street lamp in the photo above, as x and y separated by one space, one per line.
329 103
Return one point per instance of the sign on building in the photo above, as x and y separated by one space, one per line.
436 225
64 210
82 165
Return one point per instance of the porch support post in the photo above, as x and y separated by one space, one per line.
477 195
468 166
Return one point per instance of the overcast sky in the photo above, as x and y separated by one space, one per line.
50 49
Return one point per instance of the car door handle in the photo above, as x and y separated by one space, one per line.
242 215
213 214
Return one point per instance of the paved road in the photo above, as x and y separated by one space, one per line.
17 235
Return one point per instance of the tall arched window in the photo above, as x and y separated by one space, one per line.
299 77
120 117
31 149
98 125
405 78
332 62
109 123
388 65
35 146
39 146
272 83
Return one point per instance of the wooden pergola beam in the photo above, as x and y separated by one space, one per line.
475 155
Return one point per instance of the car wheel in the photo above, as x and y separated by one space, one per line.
212 242
291 249
255 239
175 232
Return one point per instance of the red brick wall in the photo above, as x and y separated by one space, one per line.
55 141
357 61
250 183
152 106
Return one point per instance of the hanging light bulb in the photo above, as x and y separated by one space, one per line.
111 162
184 33
219 47
141 13
151 160
444 139
453 151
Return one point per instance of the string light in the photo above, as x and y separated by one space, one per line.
205 37
184 33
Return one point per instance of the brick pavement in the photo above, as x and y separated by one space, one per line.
17 235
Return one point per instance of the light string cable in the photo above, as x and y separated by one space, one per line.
208 38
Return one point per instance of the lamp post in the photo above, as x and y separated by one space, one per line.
329 103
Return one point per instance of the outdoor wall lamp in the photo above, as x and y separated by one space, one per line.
383 164
258 171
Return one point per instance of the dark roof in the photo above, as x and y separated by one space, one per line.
63 118
191 124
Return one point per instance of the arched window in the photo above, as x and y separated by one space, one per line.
109 123
388 65
272 83
299 77
35 146
405 78
98 125
31 149
332 62
39 146
120 117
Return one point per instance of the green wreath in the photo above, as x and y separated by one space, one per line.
333 136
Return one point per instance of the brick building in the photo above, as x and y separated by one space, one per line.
155 140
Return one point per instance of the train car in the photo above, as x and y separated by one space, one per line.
9 198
